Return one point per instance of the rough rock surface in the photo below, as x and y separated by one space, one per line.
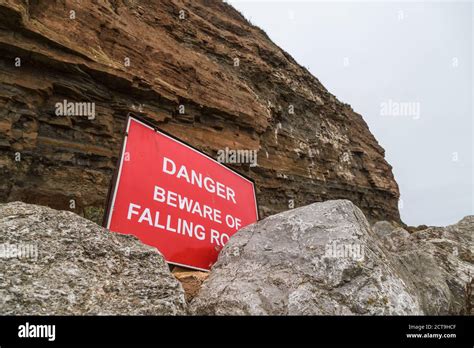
191 280
238 89
319 259
383 228
79 268
439 262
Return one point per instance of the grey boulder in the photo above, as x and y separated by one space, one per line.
57 263
321 259
439 262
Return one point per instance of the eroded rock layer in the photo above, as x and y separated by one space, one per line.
196 68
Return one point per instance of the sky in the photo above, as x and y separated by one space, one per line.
407 69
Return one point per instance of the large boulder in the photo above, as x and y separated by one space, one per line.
57 263
439 262
319 259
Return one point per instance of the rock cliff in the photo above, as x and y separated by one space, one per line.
196 68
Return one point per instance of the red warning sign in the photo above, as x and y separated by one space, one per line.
177 199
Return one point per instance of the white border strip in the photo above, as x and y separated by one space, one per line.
111 210
186 266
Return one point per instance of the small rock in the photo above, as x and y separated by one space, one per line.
191 280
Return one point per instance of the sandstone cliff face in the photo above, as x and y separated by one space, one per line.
237 90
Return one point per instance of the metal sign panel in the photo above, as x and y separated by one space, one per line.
176 198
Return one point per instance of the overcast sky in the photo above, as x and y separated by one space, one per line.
407 69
